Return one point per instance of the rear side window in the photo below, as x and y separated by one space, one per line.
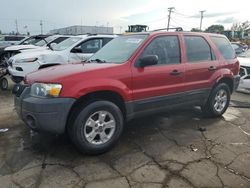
224 47
197 49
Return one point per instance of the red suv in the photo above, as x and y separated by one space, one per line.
133 75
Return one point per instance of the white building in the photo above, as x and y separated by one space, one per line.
80 30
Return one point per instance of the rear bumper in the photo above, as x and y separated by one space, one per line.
43 114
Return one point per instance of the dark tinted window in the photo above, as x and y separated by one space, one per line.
224 47
59 39
197 49
166 48
105 41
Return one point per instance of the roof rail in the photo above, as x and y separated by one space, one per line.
171 28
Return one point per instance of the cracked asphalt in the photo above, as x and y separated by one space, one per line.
173 149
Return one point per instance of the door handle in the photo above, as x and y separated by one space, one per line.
212 68
175 73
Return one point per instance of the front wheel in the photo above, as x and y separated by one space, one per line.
4 84
97 127
218 101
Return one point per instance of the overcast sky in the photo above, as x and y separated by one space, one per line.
118 13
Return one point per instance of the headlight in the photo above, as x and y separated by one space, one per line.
45 90
28 60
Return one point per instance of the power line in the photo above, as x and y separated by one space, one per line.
183 15
170 9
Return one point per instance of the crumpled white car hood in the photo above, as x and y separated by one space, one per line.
21 47
44 56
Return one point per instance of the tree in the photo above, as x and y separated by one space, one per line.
215 29
241 26
195 30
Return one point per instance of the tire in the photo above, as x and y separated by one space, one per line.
89 129
4 84
218 101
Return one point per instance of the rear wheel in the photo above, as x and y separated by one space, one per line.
4 84
218 101
96 127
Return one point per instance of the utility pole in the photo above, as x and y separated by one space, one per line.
202 11
16 26
41 24
170 9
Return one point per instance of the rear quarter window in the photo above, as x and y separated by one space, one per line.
224 47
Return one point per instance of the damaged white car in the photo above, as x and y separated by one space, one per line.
73 49
244 60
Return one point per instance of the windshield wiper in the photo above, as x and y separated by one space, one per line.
97 60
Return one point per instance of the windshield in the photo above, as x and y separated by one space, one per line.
48 40
119 49
66 43
245 54
31 40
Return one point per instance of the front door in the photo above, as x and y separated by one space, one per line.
159 85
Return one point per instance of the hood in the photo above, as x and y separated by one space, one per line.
244 61
60 72
34 49
20 47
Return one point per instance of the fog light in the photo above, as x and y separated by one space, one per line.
31 122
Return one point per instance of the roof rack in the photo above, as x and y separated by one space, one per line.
171 28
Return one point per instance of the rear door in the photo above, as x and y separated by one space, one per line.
201 65
158 86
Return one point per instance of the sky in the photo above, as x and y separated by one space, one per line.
27 14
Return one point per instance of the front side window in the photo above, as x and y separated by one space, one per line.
197 49
224 46
90 46
166 48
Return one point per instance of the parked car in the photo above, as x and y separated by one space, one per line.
244 59
133 75
43 44
238 48
7 40
73 49
5 55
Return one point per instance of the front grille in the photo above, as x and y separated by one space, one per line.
244 71
10 62
246 68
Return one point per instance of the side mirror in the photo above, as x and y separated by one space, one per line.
76 50
147 61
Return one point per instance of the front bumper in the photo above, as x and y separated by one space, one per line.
22 69
43 114
236 82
